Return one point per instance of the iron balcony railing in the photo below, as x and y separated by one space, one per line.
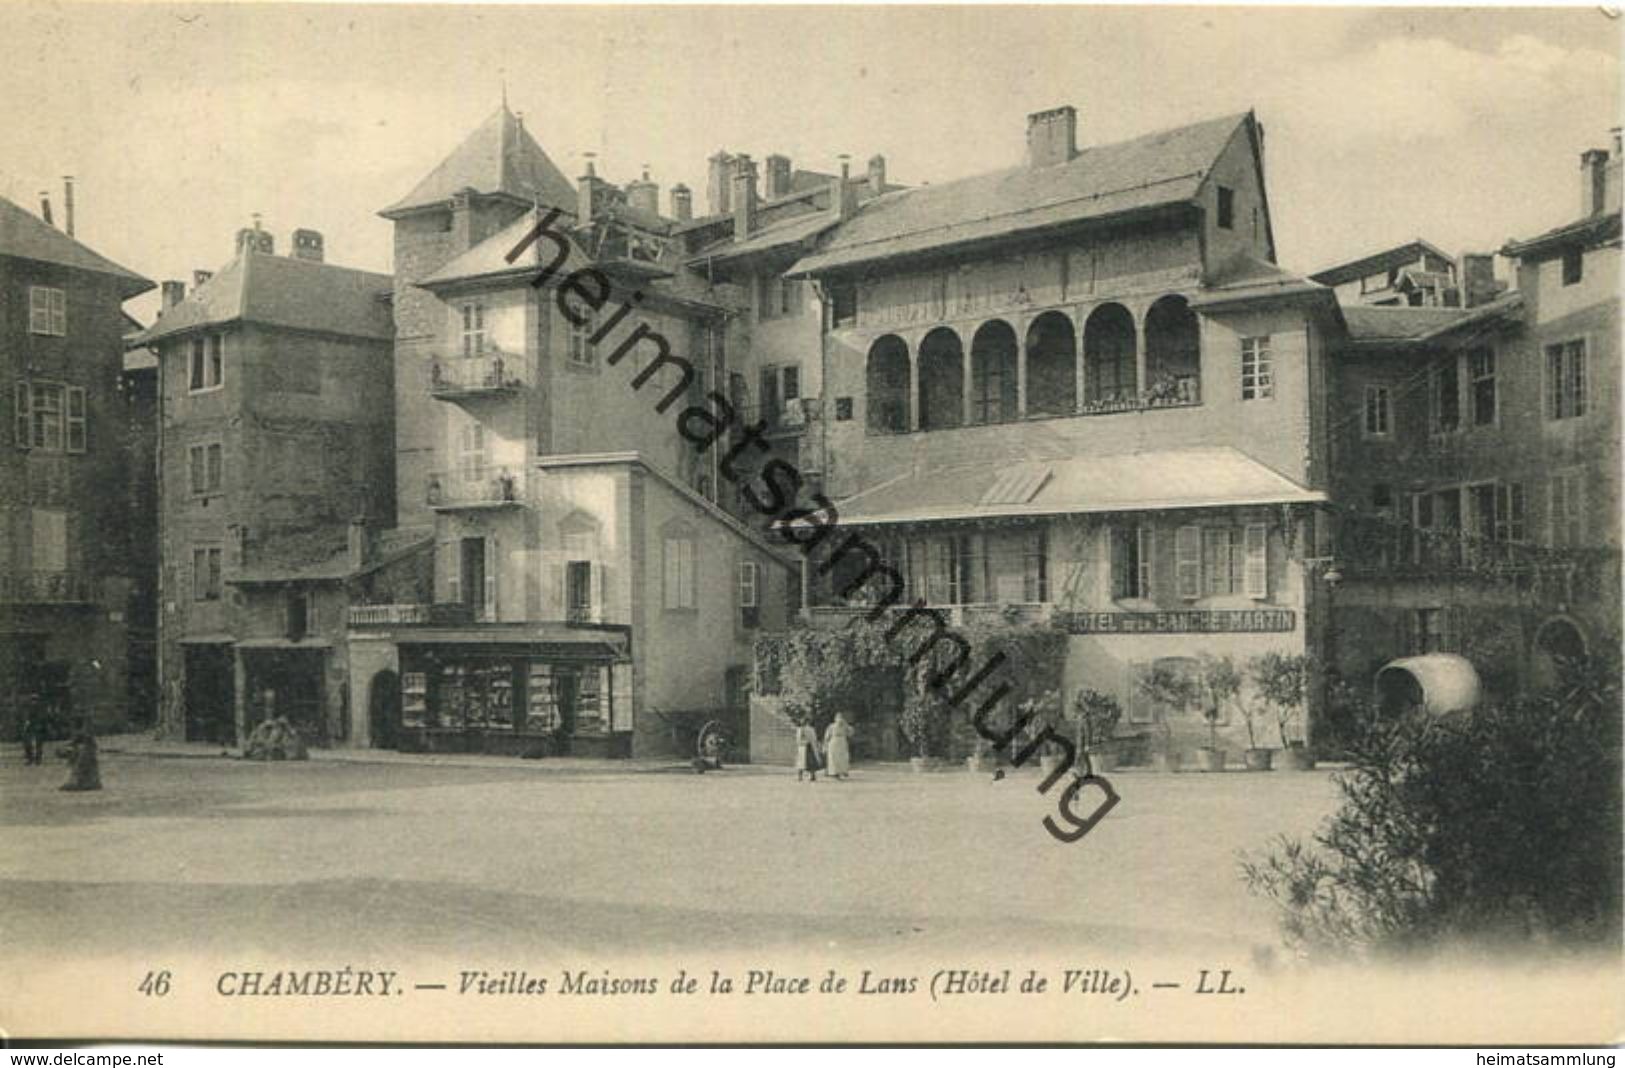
475 487
388 615
488 374
47 587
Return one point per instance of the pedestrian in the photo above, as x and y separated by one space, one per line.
837 747
84 771
33 731
807 762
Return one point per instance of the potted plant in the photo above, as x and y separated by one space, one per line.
1258 758
1096 716
1165 688
1282 680
1212 753
1219 682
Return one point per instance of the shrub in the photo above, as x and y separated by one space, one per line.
1282 682
1096 716
1501 824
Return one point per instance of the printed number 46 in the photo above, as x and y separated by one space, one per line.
155 985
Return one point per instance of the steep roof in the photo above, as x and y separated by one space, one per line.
1398 256
283 291
29 237
1211 477
500 156
1157 170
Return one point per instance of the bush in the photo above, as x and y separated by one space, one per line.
1500 825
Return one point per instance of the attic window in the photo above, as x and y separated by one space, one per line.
1227 208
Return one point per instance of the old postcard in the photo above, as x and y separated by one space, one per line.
810 524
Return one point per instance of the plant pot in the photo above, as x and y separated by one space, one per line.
1212 759
1298 758
1168 760
1101 760
1260 759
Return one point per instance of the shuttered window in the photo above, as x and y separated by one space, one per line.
1257 576
1131 551
680 591
47 311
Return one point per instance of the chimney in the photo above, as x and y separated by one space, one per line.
67 202
1052 136
744 196
644 194
719 184
307 245
877 175
778 176
199 277
45 207
174 292
1478 284
1611 175
358 543
842 197
682 203
255 240
587 191
1593 181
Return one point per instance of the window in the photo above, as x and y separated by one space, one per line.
750 593
1444 397
1131 563
583 352
1378 417
1227 208
206 574
473 329
1565 510
578 601
778 298
47 311
471 453
781 388
50 544
49 416
204 467
298 614
1257 369
1510 524
1566 380
1431 632
1481 376
947 562
843 303
680 587
1382 497
1573 266
1221 561
207 363
1034 568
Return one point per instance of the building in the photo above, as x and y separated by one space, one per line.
1080 390
588 594
276 405
1475 462
67 571
1417 274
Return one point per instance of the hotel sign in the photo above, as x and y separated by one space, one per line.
1243 621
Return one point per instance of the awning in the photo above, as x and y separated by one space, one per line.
1214 477
1437 683
545 641
283 643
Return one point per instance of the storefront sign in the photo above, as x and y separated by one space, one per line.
1245 621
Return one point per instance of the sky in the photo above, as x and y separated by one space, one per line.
181 121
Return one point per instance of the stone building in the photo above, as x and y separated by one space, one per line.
68 571
275 394
1080 390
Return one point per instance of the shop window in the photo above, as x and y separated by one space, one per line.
1481 374
1131 559
47 311
1378 416
1566 380
750 594
1257 369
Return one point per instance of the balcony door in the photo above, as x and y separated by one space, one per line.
474 575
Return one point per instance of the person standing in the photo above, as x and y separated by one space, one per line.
807 761
838 747
33 731
85 773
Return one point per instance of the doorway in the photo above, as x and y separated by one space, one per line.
473 571
384 710
211 694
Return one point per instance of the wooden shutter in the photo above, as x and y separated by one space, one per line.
619 692
493 563
553 594
597 613
39 310
20 415
1188 561
75 438
451 566
1257 570
59 312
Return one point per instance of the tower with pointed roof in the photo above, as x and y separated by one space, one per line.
494 176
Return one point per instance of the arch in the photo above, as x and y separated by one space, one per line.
1173 352
384 709
1108 356
578 535
1559 642
1052 371
942 380
993 393
887 381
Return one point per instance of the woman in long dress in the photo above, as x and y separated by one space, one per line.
807 762
837 747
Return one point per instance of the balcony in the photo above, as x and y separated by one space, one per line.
462 378
474 488
789 419
1173 391
388 615
47 587
987 614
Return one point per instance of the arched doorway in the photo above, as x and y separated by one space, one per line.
1558 642
942 380
993 373
1108 356
1052 370
384 709
887 382
1173 353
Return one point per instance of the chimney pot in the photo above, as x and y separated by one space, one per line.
45 208
174 291
308 245
744 197
682 203
1593 181
778 176
843 198
255 240
1052 136
719 184
877 175
644 194
67 202
199 277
